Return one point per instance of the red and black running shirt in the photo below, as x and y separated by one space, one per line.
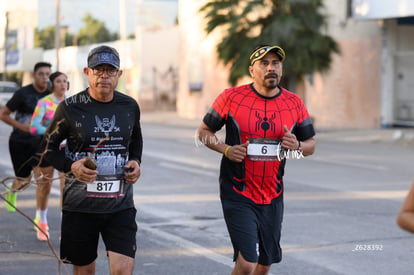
247 114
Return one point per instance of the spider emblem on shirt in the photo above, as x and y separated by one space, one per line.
265 123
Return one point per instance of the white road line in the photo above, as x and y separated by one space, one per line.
349 163
177 240
342 195
187 245
55 191
183 160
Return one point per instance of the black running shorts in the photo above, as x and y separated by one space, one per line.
22 154
80 235
255 230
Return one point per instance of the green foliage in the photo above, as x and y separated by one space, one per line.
45 38
296 25
93 31
69 40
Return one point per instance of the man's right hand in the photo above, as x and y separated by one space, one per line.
83 173
237 153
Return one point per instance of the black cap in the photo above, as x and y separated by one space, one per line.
259 53
103 55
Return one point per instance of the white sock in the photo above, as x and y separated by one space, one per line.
37 213
43 216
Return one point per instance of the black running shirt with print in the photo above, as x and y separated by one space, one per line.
109 133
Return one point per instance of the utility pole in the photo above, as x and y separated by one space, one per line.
122 20
6 46
57 33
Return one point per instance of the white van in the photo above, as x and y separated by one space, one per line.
7 88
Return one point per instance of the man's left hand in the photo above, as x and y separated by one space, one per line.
132 171
289 140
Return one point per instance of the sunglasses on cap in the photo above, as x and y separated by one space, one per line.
262 51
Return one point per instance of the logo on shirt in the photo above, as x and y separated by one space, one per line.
106 125
265 123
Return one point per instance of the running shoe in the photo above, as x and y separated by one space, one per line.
12 198
40 235
36 220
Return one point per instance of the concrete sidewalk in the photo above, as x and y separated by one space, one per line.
168 118
399 135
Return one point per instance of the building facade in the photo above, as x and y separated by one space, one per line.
149 62
396 21
368 85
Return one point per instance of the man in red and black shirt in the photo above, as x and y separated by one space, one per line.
265 125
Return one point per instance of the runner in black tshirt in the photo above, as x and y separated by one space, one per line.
22 145
102 161
107 132
265 125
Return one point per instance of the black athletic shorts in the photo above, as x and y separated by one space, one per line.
22 154
40 154
255 230
80 235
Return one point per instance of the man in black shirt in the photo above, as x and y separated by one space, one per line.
22 145
102 161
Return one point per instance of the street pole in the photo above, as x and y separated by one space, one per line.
122 20
6 34
57 33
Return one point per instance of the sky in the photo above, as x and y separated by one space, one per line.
72 11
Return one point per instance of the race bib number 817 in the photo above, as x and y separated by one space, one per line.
104 188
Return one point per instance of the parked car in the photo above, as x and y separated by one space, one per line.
7 88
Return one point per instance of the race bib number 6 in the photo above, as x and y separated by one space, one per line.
262 149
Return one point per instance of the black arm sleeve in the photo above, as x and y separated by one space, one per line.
135 146
213 120
304 130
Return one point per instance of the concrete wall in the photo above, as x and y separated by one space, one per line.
397 74
198 63
159 62
348 96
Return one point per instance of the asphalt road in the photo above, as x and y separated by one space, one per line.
340 210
